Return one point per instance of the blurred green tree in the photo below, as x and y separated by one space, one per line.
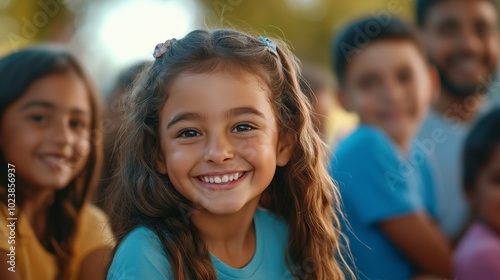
25 22
307 25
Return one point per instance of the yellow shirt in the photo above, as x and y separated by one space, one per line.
33 262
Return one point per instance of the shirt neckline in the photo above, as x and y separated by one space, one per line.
257 259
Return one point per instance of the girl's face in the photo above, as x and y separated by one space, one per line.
45 133
486 199
219 140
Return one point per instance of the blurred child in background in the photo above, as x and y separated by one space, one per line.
384 180
112 120
463 42
51 153
478 254
317 85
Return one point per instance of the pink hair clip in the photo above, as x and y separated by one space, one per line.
161 48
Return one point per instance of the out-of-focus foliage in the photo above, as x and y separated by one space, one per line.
307 25
25 22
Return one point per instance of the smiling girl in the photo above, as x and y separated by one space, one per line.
221 175
48 112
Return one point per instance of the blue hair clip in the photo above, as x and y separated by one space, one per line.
268 43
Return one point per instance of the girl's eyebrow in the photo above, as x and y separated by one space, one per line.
49 105
37 103
184 117
189 116
242 111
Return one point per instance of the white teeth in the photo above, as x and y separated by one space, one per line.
225 178
55 160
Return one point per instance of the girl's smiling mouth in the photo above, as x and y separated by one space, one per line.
55 161
222 181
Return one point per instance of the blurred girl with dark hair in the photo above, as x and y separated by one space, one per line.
50 153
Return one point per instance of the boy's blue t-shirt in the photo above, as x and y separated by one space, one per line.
376 183
141 255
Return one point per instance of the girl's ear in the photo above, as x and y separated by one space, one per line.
284 150
160 164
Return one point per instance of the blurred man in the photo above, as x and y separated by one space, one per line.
463 42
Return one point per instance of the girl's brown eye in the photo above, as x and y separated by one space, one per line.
77 124
404 77
243 128
188 133
40 119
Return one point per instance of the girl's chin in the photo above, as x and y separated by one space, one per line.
223 210
56 185
220 207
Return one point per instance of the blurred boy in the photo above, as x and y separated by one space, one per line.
385 182
462 41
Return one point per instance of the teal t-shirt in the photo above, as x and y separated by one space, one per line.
377 183
141 255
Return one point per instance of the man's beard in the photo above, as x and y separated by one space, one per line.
461 91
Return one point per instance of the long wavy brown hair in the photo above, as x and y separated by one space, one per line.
302 193
17 72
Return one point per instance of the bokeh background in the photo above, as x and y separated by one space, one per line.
110 35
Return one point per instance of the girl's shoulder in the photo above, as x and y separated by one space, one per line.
92 230
140 256
140 240
479 241
478 254
93 221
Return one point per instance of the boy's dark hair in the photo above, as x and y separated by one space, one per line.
424 6
480 144
358 35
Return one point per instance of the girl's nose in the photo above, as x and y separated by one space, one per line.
61 133
219 149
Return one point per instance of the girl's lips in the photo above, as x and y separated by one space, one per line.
223 185
54 162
